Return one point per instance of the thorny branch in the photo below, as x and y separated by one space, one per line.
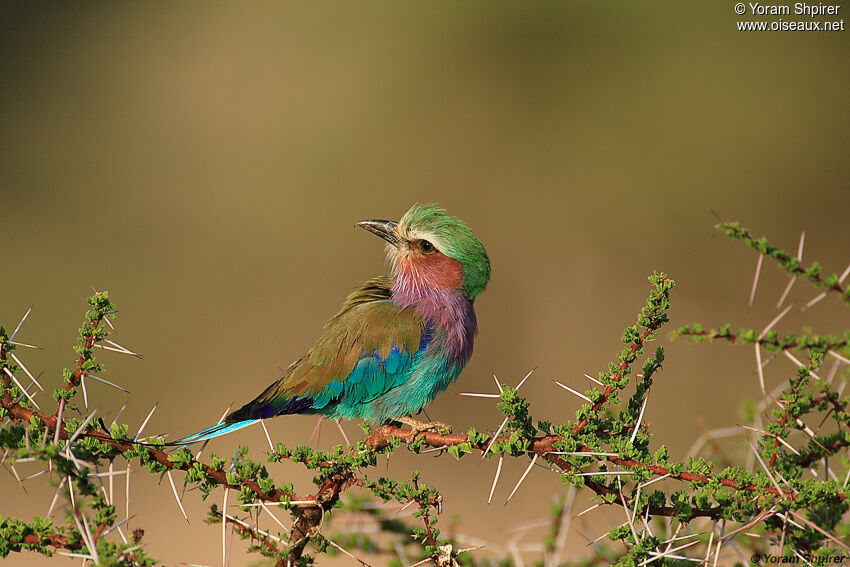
617 443
545 447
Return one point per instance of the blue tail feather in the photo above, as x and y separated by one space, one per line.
214 431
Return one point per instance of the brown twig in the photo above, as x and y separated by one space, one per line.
789 263
425 507
545 446
220 477
767 342
308 520
77 376
58 542
616 377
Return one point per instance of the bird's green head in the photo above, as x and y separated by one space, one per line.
433 248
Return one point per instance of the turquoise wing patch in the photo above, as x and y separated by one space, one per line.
371 377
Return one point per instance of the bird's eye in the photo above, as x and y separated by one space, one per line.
426 246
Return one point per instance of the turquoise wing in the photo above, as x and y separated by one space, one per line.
367 349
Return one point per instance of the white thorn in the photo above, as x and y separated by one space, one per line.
710 542
592 379
224 527
567 388
118 527
764 466
24 390
498 385
719 543
118 415
594 507
268 437
56 496
798 363
640 418
18 328
818 528
107 382
778 438
25 345
844 274
833 371
145 422
80 430
269 512
85 392
71 492
522 478
127 493
345 551
91 540
493 439
814 300
123 349
59 423
176 497
253 528
530 372
760 368
755 281
561 540
839 357
605 534
39 473
774 322
496 478
74 555
629 519
34 381
786 292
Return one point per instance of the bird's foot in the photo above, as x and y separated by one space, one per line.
421 427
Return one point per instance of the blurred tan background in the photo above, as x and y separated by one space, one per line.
206 163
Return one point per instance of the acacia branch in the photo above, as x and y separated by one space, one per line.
53 540
23 414
545 446
770 342
308 519
88 343
786 261
636 346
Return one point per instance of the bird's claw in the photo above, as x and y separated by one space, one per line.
417 427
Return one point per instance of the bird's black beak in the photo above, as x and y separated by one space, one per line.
386 229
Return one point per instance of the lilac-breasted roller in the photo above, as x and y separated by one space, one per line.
398 340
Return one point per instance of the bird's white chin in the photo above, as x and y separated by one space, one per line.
392 255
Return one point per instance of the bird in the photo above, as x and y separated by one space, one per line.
398 340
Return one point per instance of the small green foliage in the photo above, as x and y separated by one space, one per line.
786 261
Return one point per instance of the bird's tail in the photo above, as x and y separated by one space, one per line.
212 432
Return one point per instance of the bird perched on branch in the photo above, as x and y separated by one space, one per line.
398 340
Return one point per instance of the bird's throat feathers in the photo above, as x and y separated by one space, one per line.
432 286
